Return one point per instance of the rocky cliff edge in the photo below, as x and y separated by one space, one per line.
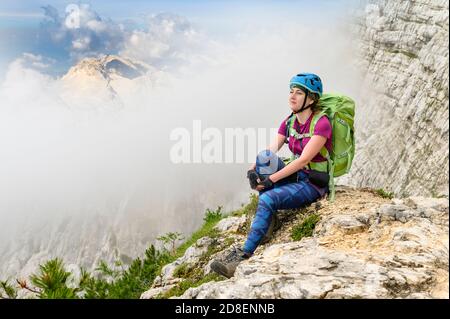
363 246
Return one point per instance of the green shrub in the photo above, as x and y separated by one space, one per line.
181 288
171 240
305 228
382 193
210 220
182 271
249 209
52 281
140 274
213 215
10 291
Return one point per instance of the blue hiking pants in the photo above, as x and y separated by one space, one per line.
283 195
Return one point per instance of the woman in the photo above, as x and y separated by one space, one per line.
273 179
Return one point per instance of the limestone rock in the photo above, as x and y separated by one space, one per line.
231 224
190 257
391 250
342 223
402 113
149 294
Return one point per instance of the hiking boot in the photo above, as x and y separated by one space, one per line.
227 266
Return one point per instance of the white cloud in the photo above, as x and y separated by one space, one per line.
86 33
32 57
143 46
35 62
81 44
167 40
97 26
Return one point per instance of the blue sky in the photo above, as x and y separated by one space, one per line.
20 21
130 8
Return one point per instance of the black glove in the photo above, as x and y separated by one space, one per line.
266 182
252 178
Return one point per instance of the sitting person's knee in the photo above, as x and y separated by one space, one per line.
267 200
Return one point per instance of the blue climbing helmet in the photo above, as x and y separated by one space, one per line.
308 81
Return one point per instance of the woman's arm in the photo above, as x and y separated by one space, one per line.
312 148
277 143
275 146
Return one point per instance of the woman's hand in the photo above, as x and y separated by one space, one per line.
312 148
266 182
253 178
259 188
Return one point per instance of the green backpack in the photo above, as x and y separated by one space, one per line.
340 110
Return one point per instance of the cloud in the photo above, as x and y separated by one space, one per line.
81 31
166 40
169 40
36 62
51 13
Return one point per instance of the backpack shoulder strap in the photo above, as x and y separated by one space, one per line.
323 151
289 125
314 121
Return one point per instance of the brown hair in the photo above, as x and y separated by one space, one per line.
315 107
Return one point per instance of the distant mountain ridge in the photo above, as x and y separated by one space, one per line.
109 77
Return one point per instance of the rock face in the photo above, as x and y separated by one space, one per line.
363 247
402 117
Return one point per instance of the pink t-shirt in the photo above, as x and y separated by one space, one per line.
322 128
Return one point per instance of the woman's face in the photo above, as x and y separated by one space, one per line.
296 98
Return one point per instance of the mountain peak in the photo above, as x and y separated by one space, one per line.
107 67
106 77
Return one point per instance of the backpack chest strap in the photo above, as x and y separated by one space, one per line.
298 136
292 132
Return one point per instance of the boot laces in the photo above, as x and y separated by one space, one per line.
234 255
